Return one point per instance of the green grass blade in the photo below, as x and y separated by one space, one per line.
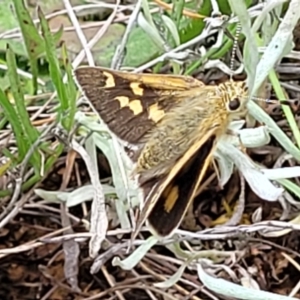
286 109
54 69
33 42
178 6
13 119
291 186
70 87
29 132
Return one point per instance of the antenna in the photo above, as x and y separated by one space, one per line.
234 47
288 102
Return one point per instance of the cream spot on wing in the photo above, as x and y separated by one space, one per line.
110 81
136 106
123 100
155 113
136 89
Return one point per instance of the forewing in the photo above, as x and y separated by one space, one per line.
174 201
168 200
132 104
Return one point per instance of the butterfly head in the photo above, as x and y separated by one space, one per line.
235 96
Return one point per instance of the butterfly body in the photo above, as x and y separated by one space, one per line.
175 120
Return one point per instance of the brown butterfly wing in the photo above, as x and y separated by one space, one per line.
168 198
174 201
132 104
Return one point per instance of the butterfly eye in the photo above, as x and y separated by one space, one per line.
234 104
